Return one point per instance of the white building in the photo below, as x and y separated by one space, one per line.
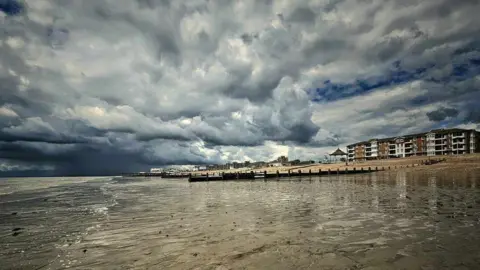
399 144
200 168
473 146
455 141
374 148
459 143
351 152
276 164
430 144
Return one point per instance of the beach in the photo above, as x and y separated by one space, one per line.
454 162
425 217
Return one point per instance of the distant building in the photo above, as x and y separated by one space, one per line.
156 170
276 164
437 142
200 168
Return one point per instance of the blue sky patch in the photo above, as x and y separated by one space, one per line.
11 7
462 69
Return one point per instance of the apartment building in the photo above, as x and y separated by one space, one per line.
433 143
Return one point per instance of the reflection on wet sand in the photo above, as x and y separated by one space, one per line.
385 220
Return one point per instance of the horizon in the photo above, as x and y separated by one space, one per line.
103 88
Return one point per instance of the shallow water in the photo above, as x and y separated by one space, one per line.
384 220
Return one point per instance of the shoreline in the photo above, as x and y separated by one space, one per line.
468 161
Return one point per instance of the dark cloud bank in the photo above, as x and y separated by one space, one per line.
95 88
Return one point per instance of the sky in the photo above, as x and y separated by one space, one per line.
100 87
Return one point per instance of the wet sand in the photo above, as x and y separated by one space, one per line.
404 219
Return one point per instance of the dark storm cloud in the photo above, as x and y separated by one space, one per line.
247 38
473 115
442 113
126 85
152 4
302 14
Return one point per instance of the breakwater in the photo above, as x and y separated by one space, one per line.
297 172
277 175
156 174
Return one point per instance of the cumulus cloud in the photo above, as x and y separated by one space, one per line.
103 87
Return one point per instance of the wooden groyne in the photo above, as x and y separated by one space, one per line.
300 173
265 175
224 176
163 175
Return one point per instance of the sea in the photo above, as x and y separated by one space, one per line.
403 219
